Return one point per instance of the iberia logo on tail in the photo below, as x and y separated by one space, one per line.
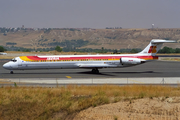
152 49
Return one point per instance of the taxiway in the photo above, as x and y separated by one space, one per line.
149 69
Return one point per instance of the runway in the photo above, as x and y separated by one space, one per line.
149 69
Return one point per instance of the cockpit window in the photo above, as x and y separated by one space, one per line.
13 60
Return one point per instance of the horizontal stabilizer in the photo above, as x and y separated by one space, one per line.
159 41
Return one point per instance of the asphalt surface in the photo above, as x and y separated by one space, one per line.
149 69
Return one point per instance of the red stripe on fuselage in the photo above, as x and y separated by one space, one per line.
90 57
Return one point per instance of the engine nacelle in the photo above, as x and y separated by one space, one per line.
131 61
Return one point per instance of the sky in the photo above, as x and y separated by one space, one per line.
90 13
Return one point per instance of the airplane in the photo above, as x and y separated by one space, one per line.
93 62
3 53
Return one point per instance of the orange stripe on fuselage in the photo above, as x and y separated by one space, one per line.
148 57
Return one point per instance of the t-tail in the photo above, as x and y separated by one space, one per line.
154 46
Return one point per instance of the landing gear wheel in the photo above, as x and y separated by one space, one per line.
11 72
95 70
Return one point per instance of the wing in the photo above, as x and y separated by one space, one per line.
96 65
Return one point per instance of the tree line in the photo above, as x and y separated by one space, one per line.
169 50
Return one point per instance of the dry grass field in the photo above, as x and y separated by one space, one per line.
90 102
97 38
170 59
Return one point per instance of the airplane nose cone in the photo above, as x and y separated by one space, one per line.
6 66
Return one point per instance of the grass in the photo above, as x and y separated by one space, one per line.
171 59
48 103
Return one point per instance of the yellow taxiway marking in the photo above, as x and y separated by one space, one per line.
68 76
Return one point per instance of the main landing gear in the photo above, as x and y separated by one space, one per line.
95 70
11 72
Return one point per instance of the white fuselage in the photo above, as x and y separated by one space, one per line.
71 62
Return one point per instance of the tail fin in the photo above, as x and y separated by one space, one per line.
154 46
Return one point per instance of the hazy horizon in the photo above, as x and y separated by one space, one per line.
90 13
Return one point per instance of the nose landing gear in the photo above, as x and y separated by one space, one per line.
95 70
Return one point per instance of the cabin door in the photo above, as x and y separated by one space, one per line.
19 62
